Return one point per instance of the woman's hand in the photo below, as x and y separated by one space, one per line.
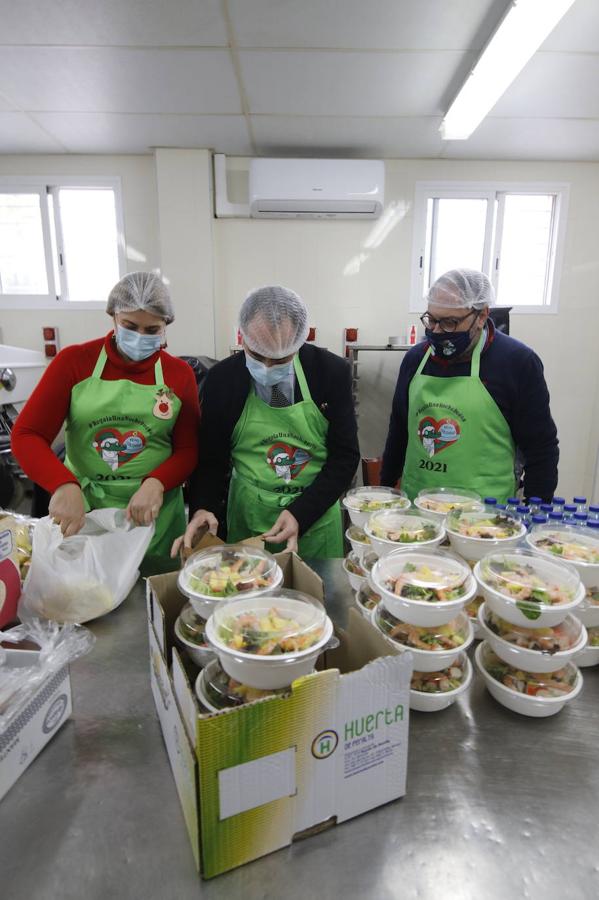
67 508
146 503
286 528
200 518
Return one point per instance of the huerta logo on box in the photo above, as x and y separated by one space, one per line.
325 744
367 724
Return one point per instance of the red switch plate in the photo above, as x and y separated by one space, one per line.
50 350
49 334
351 335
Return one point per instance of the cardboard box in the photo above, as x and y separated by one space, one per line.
253 779
37 723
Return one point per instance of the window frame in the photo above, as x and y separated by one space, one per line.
493 191
45 185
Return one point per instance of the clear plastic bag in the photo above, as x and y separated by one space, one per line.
21 673
85 576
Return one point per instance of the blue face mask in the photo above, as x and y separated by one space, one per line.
137 346
448 346
265 375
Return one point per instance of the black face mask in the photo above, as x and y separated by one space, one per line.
448 346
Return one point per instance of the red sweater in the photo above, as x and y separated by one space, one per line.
46 410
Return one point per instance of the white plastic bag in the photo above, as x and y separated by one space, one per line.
79 578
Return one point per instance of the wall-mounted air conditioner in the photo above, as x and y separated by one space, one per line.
316 188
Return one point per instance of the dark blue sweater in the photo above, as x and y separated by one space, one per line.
513 375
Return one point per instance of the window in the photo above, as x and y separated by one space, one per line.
513 232
61 241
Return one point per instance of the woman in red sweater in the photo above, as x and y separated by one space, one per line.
132 414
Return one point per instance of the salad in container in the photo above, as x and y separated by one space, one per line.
359 540
268 641
588 611
536 694
390 530
433 647
533 649
423 588
438 502
472 609
526 589
474 533
216 690
190 630
362 502
570 544
433 691
355 571
225 572
590 655
366 600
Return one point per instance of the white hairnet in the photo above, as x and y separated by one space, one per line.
144 291
274 321
462 288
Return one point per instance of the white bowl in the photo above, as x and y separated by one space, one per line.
589 572
201 656
532 660
356 581
424 702
360 548
276 671
588 613
367 613
421 612
587 657
536 707
412 521
527 613
376 493
474 548
462 499
430 660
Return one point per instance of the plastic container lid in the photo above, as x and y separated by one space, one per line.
192 626
228 571
567 543
404 527
439 682
368 598
226 693
533 684
484 524
373 498
421 576
544 640
442 500
284 623
435 638
526 578
355 533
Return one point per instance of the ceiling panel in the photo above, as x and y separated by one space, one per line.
119 80
349 84
18 134
146 22
529 139
347 137
120 133
578 30
554 85
355 24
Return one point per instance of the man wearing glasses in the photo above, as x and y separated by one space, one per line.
468 400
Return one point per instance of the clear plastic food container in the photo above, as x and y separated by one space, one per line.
366 600
474 533
390 530
567 543
527 589
267 642
359 540
423 588
362 502
589 656
216 690
534 694
355 571
438 502
433 647
223 573
190 630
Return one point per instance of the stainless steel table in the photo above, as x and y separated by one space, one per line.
498 806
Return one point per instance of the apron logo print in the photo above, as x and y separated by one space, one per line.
163 407
287 461
437 435
116 449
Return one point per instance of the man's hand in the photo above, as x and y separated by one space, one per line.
67 508
286 528
146 503
201 517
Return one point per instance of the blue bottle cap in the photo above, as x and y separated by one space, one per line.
556 516
535 500
559 501
546 507
579 499
594 509
569 508
592 524
524 510
490 501
501 506
580 517
513 500
539 520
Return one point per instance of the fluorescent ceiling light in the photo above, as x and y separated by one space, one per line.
519 35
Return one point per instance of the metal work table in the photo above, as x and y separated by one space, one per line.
498 806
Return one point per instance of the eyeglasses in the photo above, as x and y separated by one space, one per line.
447 325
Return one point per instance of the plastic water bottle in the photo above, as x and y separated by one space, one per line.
556 516
559 502
523 513
569 511
593 513
535 504
512 504
490 501
538 519
581 504
580 518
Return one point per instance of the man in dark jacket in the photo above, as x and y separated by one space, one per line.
279 418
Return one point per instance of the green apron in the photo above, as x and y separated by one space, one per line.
118 432
277 454
457 435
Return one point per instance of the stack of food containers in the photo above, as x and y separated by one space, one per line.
531 636
579 547
423 594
